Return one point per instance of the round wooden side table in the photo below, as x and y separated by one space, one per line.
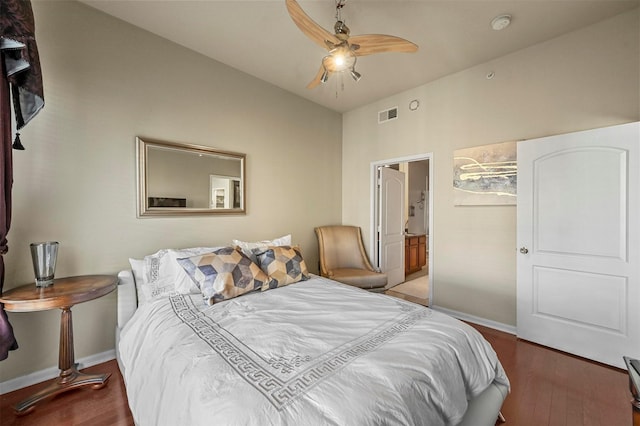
63 294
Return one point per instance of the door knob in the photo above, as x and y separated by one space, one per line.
524 250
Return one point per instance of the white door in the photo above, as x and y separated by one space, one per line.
579 243
391 230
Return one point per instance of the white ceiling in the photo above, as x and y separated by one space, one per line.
259 37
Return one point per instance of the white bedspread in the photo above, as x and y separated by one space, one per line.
312 353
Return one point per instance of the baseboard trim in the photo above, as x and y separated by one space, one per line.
477 320
52 372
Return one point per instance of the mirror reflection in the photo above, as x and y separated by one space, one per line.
183 179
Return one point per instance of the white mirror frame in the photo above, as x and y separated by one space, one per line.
142 169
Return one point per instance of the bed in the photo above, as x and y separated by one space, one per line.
315 352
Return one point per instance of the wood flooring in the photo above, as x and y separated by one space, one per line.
85 406
547 388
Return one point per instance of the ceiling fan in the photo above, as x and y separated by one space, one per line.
343 49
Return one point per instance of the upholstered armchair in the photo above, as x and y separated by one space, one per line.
343 258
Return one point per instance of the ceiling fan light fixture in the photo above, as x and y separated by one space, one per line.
343 50
339 59
325 76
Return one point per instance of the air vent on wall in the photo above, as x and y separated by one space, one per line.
388 114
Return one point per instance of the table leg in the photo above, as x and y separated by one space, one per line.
70 377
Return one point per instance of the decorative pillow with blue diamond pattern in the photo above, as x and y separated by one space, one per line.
283 264
224 274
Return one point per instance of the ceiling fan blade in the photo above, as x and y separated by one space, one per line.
308 26
316 79
379 43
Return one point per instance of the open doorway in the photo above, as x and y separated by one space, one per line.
415 210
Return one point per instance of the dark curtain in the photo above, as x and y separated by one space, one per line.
22 80
7 339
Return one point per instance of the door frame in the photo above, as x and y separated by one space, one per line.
374 205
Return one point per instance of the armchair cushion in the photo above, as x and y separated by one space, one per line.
362 278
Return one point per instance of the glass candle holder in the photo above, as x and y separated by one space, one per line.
44 256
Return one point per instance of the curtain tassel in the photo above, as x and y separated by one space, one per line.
17 144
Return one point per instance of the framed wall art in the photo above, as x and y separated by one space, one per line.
485 175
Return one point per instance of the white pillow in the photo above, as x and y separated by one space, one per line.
162 275
247 247
137 267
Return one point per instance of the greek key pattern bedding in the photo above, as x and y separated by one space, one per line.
282 380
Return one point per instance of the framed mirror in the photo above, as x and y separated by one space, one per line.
177 179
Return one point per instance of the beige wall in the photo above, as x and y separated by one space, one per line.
586 79
106 82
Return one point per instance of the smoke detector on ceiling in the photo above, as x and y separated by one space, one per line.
501 22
